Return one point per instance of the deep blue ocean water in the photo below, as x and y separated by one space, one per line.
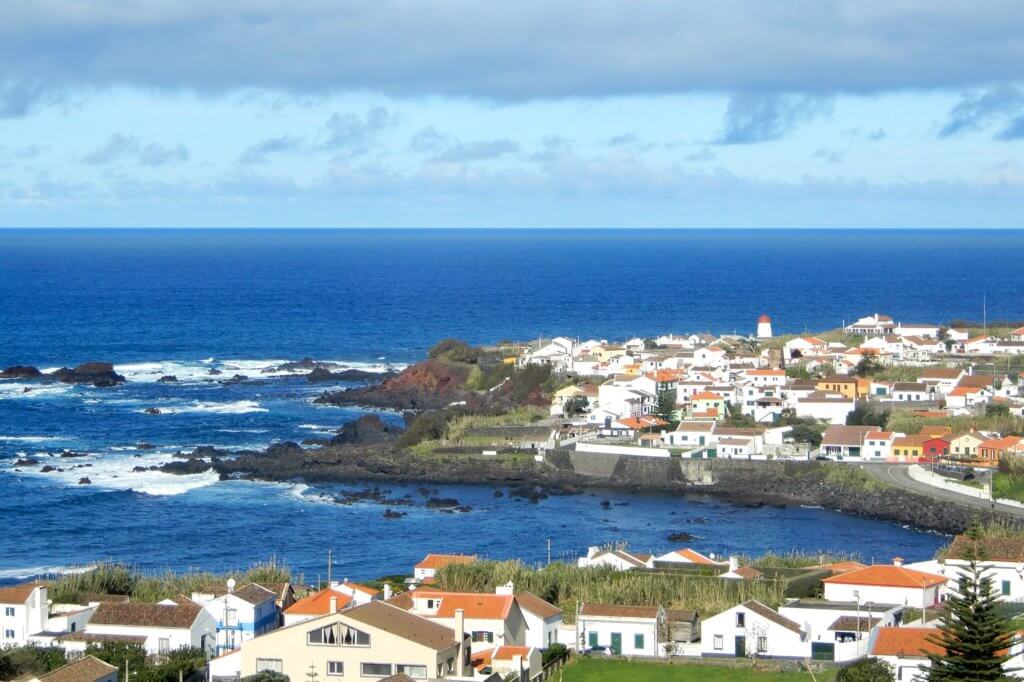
182 302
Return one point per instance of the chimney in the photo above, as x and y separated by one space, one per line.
508 589
734 563
333 605
460 636
897 561
592 552
387 591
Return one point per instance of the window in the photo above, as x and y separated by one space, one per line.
483 636
230 617
8 634
1006 587
335 668
592 640
638 642
416 672
9 611
719 643
450 665
163 645
337 634
741 619
762 645
270 665
376 669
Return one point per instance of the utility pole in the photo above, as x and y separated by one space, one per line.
549 551
329 566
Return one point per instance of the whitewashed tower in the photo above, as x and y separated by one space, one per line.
764 327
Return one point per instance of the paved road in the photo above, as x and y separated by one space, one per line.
896 474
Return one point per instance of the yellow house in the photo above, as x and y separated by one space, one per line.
604 354
909 447
707 405
966 445
374 641
837 383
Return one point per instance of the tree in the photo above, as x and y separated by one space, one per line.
807 433
867 366
975 635
865 415
666 408
575 405
997 410
29 660
867 670
116 653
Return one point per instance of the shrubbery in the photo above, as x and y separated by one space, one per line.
29 660
455 350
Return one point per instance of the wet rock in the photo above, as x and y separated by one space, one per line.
236 379
21 372
142 445
392 514
72 453
47 469
680 537
323 375
189 466
498 493
168 379
606 504
138 469
99 374
214 372
84 481
369 428
442 503
152 410
26 462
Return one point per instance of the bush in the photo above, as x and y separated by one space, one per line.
29 660
429 425
455 350
575 405
555 652
867 670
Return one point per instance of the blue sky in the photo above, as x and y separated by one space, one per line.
739 113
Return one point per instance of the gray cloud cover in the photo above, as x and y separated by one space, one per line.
1003 104
509 51
752 117
120 147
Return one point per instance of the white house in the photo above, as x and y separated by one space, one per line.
905 650
172 624
491 619
619 559
1002 561
687 556
752 629
904 391
240 614
830 407
886 584
841 441
627 396
878 444
926 330
543 620
557 352
424 571
25 612
872 325
943 379
842 628
691 434
360 594
627 630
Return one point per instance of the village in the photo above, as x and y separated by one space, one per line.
797 397
828 615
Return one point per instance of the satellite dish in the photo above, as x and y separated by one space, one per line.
231 584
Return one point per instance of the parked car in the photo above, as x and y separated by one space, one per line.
598 651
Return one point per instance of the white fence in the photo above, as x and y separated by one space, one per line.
922 475
622 450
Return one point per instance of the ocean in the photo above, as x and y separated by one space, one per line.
183 302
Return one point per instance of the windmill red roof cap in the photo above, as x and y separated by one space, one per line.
764 318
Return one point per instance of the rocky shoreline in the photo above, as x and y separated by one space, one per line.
739 482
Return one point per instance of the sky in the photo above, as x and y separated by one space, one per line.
449 113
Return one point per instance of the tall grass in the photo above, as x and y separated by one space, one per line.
122 579
907 422
568 586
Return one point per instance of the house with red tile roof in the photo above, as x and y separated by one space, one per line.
425 570
492 619
317 604
520 662
905 649
619 559
360 594
689 556
25 612
886 584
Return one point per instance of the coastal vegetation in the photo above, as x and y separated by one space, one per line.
908 422
586 669
568 586
1008 481
111 578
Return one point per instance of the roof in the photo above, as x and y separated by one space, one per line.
707 395
254 594
853 624
176 616
318 603
844 566
910 441
941 373
403 624
83 636
641 422
838 379
770 614
989 549
18 594
680 615
905 642
747 572
1000 443
618 611
764 318
883 575
505 653
766 372
909 386
880 435
695 426
845 435
482 606
693 556
531 603
87 669
441 560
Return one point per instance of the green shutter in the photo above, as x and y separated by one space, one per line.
638 642
592 641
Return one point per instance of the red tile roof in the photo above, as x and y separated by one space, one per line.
905 642
441 560
318 603
883 575
474 605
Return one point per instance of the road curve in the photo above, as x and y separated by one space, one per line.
896 474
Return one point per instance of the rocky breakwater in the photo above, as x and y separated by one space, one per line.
99 374
319 371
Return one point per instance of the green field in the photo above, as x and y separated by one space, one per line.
604 670
1004 487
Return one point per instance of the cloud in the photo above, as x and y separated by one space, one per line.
259 152
829 155
447 149
353 134
514 51
121 147
978 110
752 118
19 97
704 154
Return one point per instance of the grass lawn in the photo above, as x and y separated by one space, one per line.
1004 487
604 670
